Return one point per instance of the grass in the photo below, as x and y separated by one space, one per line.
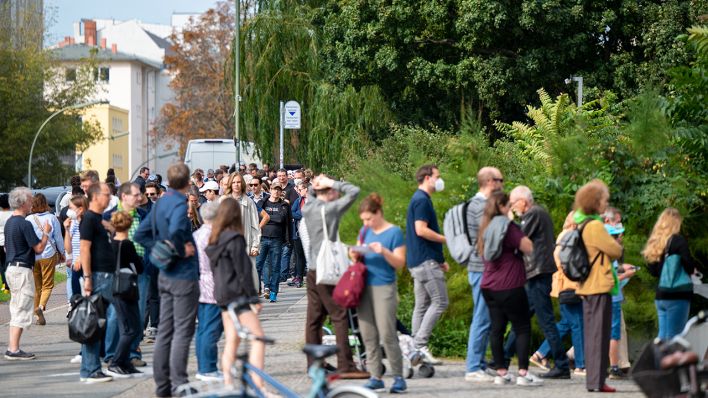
59 277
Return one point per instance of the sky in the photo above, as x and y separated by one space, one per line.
61 14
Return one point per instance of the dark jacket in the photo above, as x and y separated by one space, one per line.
233 276
296 214
536 223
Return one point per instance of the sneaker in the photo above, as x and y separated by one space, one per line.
375 384
399 385
502 380
118 372
18 355
479 376
428 357
616 374
580 372
138 363
40 316
97 377
266 293
210 376
539 361
529 380
134 372
76 359
556 373
273 297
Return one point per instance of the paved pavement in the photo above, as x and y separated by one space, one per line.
51 374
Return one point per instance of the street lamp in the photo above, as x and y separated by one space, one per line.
579 80
77 106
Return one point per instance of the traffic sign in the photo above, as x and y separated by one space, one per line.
292 115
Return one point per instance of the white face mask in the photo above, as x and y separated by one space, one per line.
72 214
439 185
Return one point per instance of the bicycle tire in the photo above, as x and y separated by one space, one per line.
351 392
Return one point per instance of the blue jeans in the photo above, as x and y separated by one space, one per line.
673 315
209 331
285 262
112 331
90 353
479 329
616 332
538 290
69 286
571 322
271 249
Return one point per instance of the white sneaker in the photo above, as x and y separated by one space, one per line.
529 380
211 376
478 376
428 357
76 359
501 380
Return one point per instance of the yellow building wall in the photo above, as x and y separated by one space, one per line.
111 151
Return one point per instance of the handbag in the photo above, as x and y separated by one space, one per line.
164 253
673 277
87 318
332 259
351 285
125 280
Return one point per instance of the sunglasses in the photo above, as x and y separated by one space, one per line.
498 179
151 194
254 185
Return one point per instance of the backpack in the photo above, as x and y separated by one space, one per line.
457 234
574 256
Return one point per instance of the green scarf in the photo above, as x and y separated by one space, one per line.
579 217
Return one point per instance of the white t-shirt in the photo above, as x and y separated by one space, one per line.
4 216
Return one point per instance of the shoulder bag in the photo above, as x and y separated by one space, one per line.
125 280
673 277
332 259
351 285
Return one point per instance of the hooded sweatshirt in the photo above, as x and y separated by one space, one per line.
233 275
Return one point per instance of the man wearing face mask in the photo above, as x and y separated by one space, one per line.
425 259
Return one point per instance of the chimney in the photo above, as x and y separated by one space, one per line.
72 41
114 48
103 43
89 32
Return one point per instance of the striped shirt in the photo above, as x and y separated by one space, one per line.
206 278
75 240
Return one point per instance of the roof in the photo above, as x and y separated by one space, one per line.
77 52
160 42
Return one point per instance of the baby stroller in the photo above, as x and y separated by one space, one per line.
678 367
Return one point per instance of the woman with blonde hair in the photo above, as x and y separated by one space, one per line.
666 240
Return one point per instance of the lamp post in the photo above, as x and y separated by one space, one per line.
237 82
579 80
77 106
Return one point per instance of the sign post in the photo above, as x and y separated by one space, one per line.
290 118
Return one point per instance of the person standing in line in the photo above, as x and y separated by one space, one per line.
425 259
489 179
502 243
325 194
5 214
209 325
591 201
210 189
379 301
178 284
142 177
276 234
126 309
45 262
665 240
298 250
98 268
537 225
78 206
21 245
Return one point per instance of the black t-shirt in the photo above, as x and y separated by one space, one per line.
91 229
128 255
20 240
279 224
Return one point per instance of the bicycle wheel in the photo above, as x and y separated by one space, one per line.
351 392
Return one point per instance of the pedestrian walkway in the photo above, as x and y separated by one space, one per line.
51 374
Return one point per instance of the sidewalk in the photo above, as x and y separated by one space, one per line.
51 374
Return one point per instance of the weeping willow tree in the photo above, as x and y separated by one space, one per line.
281 61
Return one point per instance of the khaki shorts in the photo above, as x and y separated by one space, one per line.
20 280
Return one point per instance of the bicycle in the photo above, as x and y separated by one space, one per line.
248 389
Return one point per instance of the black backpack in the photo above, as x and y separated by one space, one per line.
574 256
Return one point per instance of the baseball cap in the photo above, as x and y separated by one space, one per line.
209 186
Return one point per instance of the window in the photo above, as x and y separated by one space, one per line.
117 125
101 74
70 74
117 161
139 77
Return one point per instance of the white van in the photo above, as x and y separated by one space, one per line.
213 152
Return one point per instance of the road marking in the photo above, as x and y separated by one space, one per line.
64 374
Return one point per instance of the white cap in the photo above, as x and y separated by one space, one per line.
209 185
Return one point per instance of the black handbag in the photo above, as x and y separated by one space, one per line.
87 318
125 280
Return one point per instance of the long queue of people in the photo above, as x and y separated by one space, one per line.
239 235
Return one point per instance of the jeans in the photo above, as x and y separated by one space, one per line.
112 329
300 261
128 316
377 322
479 328
270 252
76 281
571 322
209 331
152 316
90 353
69 285
538 290
179 300
285 262
509 306
431 299
144 289
673 315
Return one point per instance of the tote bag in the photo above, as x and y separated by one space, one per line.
332 259
673 277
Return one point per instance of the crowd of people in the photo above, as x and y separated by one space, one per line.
241 233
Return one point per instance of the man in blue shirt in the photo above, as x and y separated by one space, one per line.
425 260
178 285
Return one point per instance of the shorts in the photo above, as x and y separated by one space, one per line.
240 308
20 280
616 332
